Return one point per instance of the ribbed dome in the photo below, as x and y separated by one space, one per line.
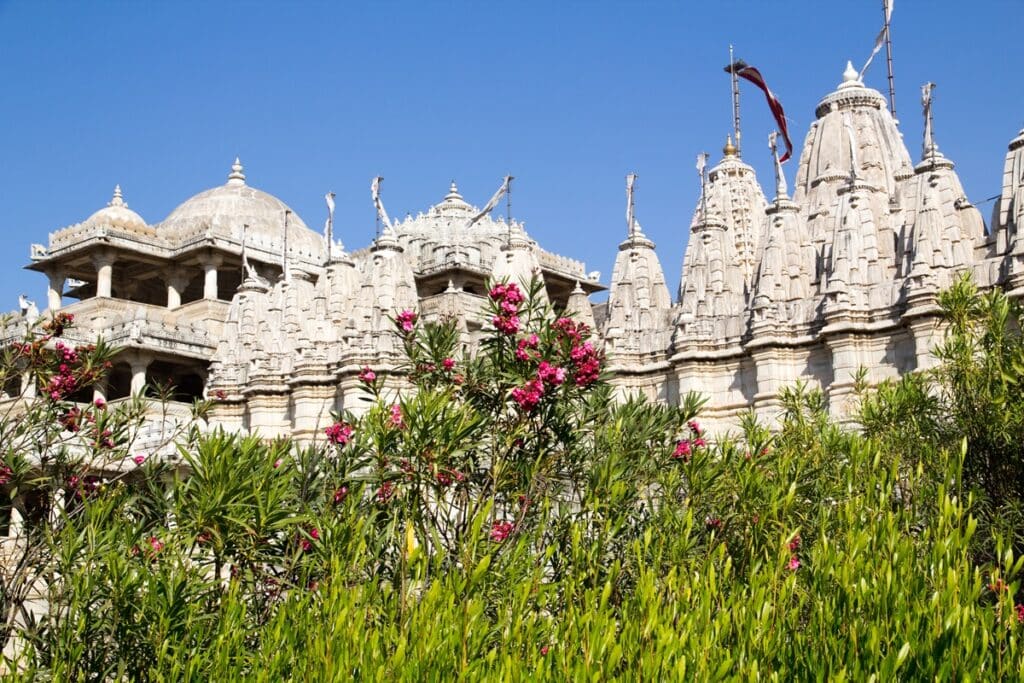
116 214
233 205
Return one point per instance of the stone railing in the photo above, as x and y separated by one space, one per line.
77 234
562 265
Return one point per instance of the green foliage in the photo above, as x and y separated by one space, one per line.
485 526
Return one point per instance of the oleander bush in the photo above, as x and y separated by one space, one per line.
509 518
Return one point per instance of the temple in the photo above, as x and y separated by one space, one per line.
233 296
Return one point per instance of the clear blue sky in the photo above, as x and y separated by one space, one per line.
567 96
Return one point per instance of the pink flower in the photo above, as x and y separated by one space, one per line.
501 530
139 459
506 324
550 374
694 427
528 395
5 475
315 533
407 320
367 376
448 363
340 494
699 442
100 403
524 345
396 417
385 492
220 394
794 564
682 451
713 523
156 544
277 463
1020 613
795 543
339 433
543 650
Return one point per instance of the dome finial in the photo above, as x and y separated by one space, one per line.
729 150
850 75
236 177
453 193
117 200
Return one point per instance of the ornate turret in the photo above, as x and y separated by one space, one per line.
853 140
1008 215
939 225
721 255
783 286
732 188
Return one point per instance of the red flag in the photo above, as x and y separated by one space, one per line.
741 69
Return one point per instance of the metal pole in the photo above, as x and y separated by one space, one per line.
888 59
284 252
508 208
735 104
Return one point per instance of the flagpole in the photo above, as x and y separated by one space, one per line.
284 252
735 103
508 208
888 58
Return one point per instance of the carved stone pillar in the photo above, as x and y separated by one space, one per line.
210 264
55 290
100 389
104 262
139 366
177 280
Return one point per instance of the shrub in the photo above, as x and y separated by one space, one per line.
508 520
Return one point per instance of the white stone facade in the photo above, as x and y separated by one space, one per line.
233 296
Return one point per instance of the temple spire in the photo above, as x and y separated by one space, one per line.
117 199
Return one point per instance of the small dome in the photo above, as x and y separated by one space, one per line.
116 214
236 207
453 205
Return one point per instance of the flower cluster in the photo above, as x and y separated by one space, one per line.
528 395
305 543
508 297
55 327
685 447
395 420
340 494
501 530
339 433
550 374
6 474
406 320
367 376
63 382
385 492
525 346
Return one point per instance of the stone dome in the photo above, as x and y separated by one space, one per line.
116 214
234 208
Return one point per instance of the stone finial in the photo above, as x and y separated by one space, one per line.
453 193
850 74
236 177
117 200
